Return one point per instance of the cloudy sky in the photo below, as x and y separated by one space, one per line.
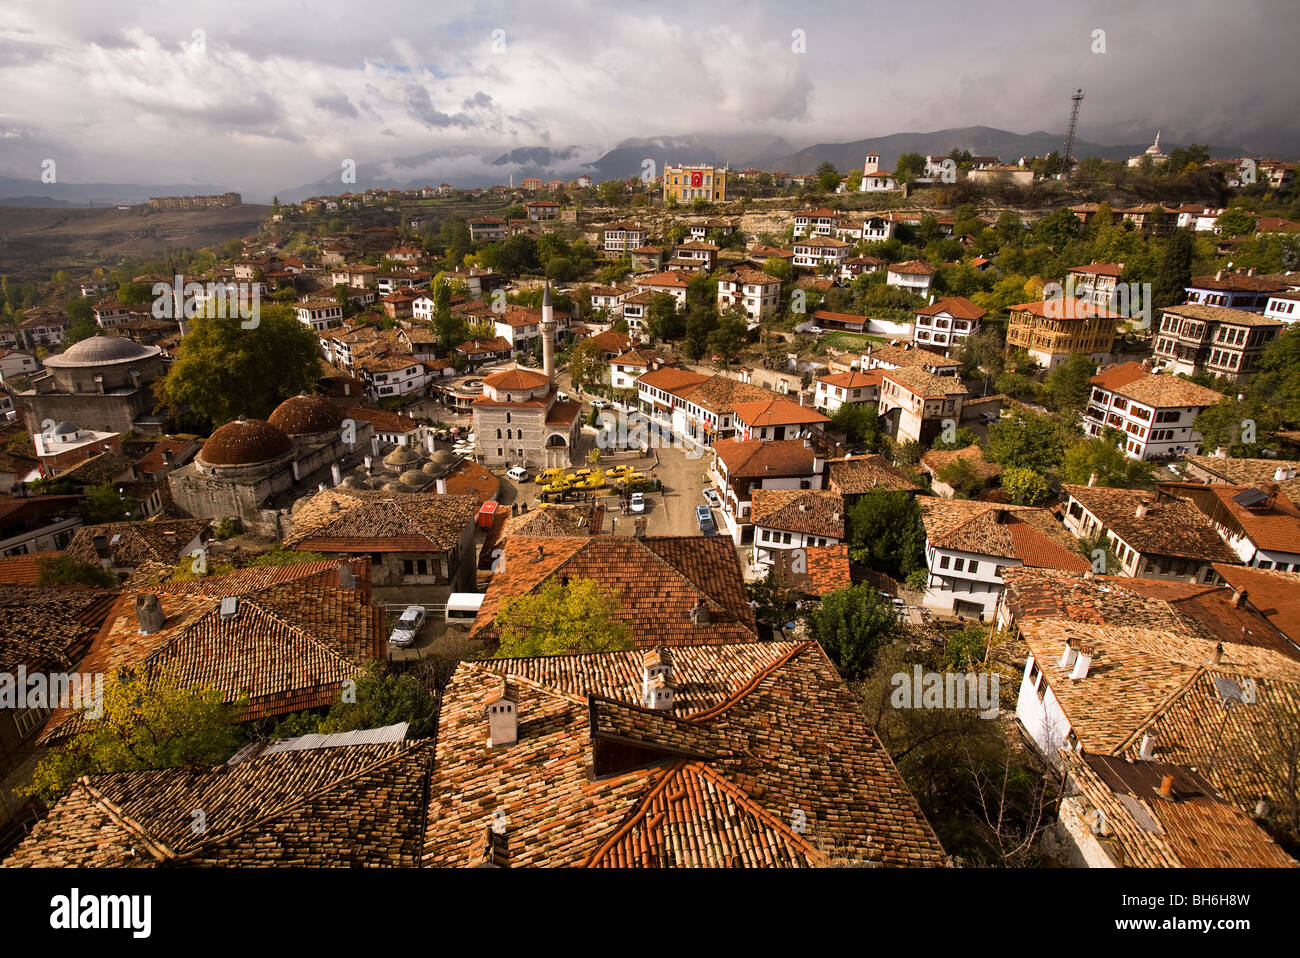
270 95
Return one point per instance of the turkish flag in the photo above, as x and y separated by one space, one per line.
697 179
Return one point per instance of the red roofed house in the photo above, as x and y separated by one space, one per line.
946 323
1155 412
741 467
969 543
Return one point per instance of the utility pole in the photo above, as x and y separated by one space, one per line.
1069 136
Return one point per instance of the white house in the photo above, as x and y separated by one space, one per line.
821 222
915 275
947 323
817 251
851 388
969 543
875 180
787 519
1156 413
319 313
758 294
740 468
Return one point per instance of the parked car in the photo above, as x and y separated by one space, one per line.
600 404
712 498
988 418
408 626
518 474
704 517
638 502
815 330
562 396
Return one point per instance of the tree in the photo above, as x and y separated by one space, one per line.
775 604
909 167
63 569
961 438
382 700
104 503
562 619
780 268
860 423
730 336
1024 487
587 364
828 178
662 321
1024 440
1175 273
1068 386
224 371
148 721
885 532
851 624
1235 221
1101 456
610 192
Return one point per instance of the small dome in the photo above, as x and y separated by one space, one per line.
396 487
416 478
244 442
442 457
303 415
355 482
65 429
403 457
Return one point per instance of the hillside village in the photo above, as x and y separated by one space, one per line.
624 524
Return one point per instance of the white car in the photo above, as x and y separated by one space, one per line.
638 502
518 474
408 626
562 396
815 330
600 404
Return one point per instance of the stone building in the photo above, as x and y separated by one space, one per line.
103 383
254 469
519 419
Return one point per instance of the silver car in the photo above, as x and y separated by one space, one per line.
408 626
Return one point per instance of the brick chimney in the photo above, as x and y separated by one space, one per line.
148 613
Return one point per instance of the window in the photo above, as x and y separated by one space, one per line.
498 433
943 562
973 567
958 565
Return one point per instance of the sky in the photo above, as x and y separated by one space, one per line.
260 96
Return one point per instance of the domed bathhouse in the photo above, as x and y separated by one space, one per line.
254 469
103 383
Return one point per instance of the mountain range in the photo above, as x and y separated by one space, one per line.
468 166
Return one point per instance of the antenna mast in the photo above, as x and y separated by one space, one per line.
1069 137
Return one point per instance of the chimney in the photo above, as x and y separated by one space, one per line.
541 554
700 614
1218 274
1217 656
1141 510
1068 656
503 719
1148 750
1082 663
103 551
1167 787
346 578
1092 479
1280 474
169 458
1238 597
149 613
229 608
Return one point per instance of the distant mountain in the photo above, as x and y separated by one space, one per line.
20 192
626 160
980 140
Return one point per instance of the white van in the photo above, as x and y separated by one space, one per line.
463 607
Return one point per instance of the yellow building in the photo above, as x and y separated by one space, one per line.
1054 330
686 183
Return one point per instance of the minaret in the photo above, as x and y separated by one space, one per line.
548 334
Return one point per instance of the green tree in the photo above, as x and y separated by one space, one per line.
909 167
782 269
1024 487
103 503
587 364
775 604
851 624
1236 221
663 323
860 424
828 178
1068 386
381 700
224 371
885 532
961 477
1102 456
730 336
611 192
1024 440
560 619
1175 274
147 722
63 569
